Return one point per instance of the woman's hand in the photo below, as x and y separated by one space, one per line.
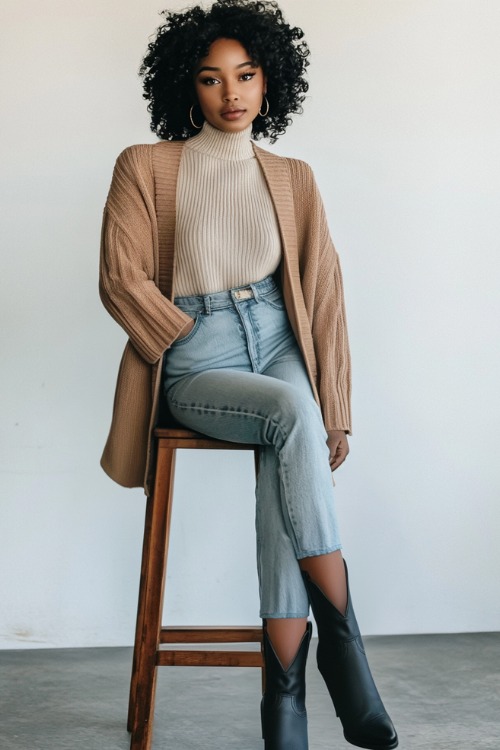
186 330
339 447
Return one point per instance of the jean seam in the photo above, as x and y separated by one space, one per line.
321 551
283 615
288 506
250 339
215 410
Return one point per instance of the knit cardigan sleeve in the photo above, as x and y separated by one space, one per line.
322 286
128 263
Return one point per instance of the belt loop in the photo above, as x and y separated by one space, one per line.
255 292
206 301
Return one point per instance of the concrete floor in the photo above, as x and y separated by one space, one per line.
442 691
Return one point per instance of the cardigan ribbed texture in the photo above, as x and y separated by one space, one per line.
130 274
227 233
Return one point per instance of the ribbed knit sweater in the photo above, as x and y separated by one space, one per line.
227 232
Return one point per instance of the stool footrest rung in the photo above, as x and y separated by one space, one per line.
174 658
191 634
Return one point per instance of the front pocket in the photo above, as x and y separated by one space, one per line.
192 333
273 299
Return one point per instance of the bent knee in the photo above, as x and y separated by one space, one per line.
298 408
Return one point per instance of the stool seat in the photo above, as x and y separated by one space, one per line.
152 639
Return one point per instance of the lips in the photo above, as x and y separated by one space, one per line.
232 114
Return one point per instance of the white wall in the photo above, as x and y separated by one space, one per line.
401 127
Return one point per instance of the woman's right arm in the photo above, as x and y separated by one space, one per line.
127 264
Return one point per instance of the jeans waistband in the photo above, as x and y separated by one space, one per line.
219 300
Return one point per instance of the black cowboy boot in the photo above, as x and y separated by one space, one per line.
284 717
344 667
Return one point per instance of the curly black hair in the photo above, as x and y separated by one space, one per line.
185 37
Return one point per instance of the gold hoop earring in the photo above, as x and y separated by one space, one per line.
264 114
198 127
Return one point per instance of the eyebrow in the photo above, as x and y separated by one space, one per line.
241 65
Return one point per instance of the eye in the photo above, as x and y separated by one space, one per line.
247 76
208 81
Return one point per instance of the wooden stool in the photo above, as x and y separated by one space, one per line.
150 634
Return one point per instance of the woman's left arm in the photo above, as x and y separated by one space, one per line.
332 351
322 284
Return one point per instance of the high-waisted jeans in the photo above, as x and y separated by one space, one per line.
239 375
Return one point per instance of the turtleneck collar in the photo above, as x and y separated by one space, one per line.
222 145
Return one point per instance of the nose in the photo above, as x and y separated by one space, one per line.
229 95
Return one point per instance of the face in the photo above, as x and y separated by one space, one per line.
230 88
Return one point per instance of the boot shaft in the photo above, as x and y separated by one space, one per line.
328 618
290 681
284 716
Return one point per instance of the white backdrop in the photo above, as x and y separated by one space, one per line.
401 127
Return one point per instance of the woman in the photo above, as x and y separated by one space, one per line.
253 346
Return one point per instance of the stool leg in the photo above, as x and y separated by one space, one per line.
142 693
256 458
146 552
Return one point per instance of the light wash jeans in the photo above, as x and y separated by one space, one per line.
239 375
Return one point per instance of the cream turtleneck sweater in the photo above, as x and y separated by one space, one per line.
227 233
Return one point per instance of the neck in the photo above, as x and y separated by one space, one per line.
223 145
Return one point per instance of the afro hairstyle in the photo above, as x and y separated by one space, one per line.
185 37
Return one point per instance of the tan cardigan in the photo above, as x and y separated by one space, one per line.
140 203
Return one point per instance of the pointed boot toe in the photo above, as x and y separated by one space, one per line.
377 733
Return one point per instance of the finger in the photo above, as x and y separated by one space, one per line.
338 459
335 464
334 451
